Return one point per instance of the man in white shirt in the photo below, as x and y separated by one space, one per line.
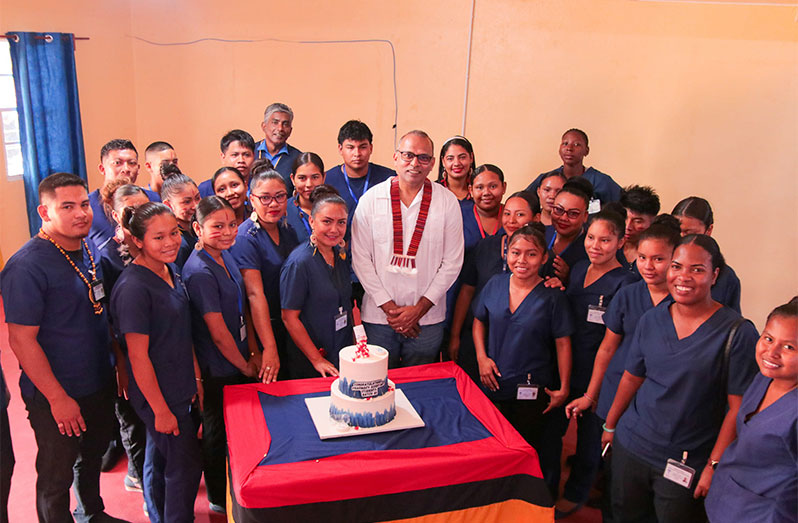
407 250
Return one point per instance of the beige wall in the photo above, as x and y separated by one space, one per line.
690 98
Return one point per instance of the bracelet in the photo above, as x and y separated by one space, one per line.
591 399
606 429
198 379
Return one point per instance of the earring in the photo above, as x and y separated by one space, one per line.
313 239
199 245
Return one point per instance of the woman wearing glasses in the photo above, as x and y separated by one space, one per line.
565 238
263 243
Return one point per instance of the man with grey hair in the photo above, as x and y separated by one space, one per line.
277 124
407 250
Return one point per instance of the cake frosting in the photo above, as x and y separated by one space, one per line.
362 396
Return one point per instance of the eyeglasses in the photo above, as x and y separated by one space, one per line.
266 199
559 210
423 159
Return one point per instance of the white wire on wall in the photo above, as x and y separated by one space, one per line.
314 42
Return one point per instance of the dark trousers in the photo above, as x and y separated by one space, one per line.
541 431
214 437
172 469
6 464
134 437
63 460
641 494
587 458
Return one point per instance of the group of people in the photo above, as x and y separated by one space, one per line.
134 307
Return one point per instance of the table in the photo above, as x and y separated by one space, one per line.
467 464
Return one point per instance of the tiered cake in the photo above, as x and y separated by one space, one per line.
362 396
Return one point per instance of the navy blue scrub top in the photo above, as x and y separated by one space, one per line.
522 342
112 264
621 317
319 292
631 267
254 249
757 478
40 288
212 289
471 231
574 252
587 336
298 219
143 303
353 191
604 187
187 243
677 408
485 261
727 289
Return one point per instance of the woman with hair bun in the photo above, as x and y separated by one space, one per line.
306 175
315 290
522 335
223 338
150 311
696 217
673 415
230 184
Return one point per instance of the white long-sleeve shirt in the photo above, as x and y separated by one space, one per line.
438 261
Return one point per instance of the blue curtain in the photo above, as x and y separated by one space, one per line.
49 112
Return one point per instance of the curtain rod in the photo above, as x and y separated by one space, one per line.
48 38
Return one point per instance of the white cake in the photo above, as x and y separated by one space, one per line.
362 396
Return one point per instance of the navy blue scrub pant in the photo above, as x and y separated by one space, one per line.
172 468
587 458
641 494
62 461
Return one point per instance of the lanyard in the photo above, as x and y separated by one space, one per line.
302 216
479 221
98 308
348 186
553 239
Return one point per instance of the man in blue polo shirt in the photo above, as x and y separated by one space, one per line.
356 175
117 158
58 330
277 125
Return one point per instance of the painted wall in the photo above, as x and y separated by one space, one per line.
690 98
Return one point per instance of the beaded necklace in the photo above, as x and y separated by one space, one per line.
98 307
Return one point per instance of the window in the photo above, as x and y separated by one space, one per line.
8 115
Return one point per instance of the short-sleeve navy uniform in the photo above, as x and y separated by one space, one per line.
727 288
587 335
523 342
320 293
484 262
143 303
757 478
112 264
604 187
471 231
211 288
40 288
574 252
254 249
677 407
352 192
187 243
298 220
621 318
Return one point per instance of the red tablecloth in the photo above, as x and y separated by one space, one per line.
493 478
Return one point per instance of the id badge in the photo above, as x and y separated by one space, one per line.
527 391
97 290
595 314
594 206
340 320
242 329
679 473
